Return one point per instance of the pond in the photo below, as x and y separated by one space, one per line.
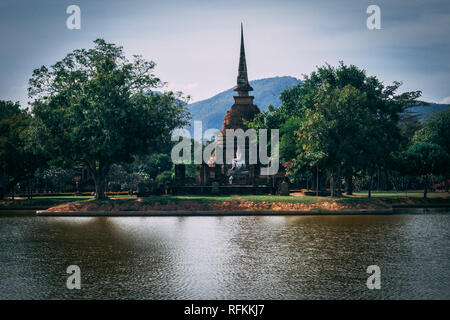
245 257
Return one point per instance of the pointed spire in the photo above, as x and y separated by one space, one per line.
243 87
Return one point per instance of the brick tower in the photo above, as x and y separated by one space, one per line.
243 107
242 110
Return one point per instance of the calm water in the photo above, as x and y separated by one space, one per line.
306 257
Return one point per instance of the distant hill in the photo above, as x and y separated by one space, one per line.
266 91
425 110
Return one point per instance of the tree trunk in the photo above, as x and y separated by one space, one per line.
313 180
9 188
317 181
446 184
349 184
425 187
370 187
30 190
98 174
332 189
100 188
339 182
378 180
404 186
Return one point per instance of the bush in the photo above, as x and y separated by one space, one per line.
164 178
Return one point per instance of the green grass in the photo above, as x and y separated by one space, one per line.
45 202
36 203
177 199
357 198
82 197
395 194
254 198
61 198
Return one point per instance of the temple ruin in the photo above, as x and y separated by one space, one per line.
239 177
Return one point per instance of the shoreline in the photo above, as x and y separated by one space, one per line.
181 213
226 206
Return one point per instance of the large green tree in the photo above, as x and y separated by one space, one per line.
335 133
346 121
437 131
426 159
18 161
97 107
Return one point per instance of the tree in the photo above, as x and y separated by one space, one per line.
97 107
18 161
142 171
337 130
152 165
409 124
426 159
437 131
347 121
56 178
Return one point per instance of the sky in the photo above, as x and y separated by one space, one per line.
195 43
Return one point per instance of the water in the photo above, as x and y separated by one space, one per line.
309 257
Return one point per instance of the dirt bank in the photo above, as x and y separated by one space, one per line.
215 206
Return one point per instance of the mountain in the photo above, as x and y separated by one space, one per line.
424 110
266 91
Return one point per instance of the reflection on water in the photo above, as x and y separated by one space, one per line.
308 257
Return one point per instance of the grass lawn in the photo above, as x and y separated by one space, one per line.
359 198
256 198
395 194
47 201
58 198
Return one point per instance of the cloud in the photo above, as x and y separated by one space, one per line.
446 100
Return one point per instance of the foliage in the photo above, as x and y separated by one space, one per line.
152 165
425 159
436 130
164 178
97 107
120 179
346 121
55 178
18 160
